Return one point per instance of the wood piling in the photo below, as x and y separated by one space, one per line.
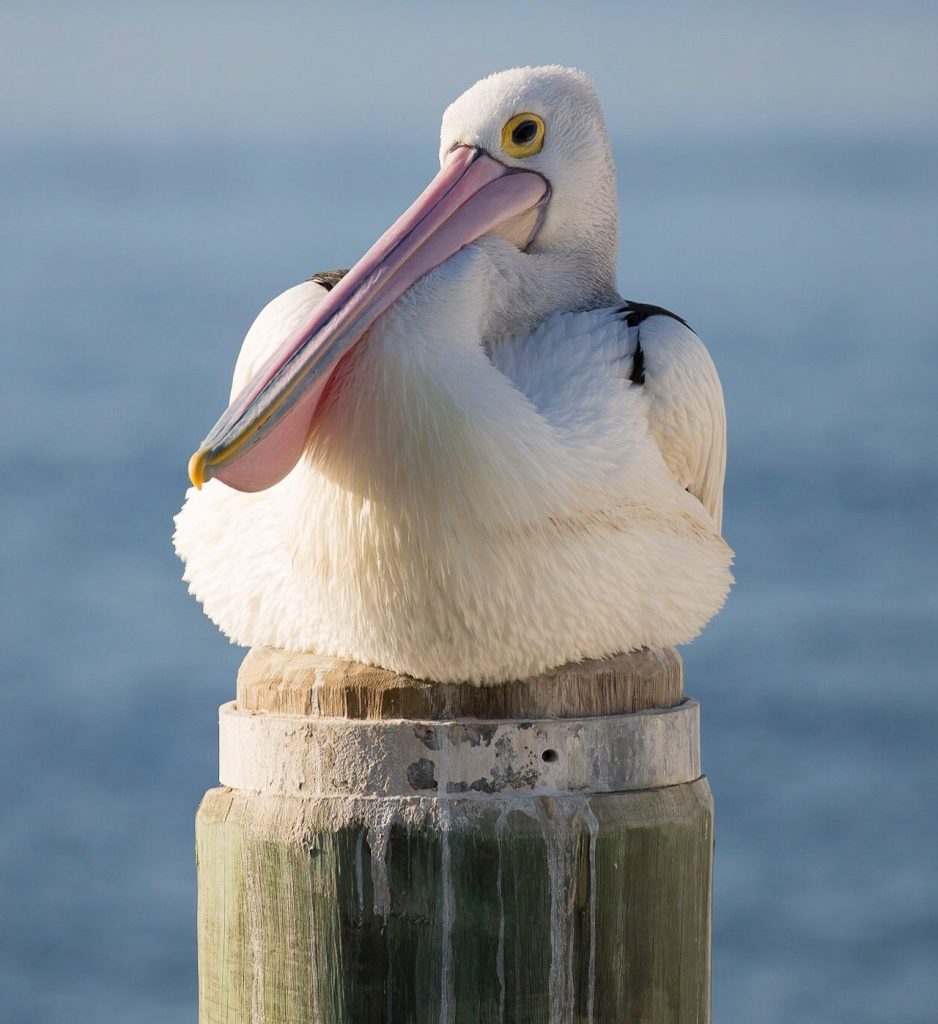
384 849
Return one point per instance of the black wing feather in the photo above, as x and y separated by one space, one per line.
635 314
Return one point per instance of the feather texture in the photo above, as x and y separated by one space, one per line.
464 515
686 414
510 469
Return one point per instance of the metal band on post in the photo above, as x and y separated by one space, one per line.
299 756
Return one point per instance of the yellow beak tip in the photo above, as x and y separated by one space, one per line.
197 466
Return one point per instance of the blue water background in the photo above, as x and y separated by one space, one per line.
166 169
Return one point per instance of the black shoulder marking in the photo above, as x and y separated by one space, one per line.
637 376
329 278
635 313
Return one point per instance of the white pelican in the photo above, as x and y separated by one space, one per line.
469 458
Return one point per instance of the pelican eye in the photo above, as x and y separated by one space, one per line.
523 135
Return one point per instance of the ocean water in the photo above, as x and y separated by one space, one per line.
146 225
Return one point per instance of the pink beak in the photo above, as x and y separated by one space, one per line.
261 435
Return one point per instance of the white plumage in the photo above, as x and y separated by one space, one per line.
486 493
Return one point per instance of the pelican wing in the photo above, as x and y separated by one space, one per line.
686 415
281 317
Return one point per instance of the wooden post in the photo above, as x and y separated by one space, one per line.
389 850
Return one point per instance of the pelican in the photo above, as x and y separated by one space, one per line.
468 458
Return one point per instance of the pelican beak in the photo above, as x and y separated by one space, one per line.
261 435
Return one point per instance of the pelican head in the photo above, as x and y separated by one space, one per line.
524 157
548 120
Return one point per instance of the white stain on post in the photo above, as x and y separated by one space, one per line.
313 924
500 950
254 901
378 833
592 825
360 872
561 839
446 881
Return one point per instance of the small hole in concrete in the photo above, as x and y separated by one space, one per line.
549 756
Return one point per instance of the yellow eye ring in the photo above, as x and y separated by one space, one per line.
523 135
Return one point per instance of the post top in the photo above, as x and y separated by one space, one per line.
317 686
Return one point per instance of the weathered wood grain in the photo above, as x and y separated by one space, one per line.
521 911
315 685
436 905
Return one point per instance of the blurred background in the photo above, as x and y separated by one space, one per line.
165 169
